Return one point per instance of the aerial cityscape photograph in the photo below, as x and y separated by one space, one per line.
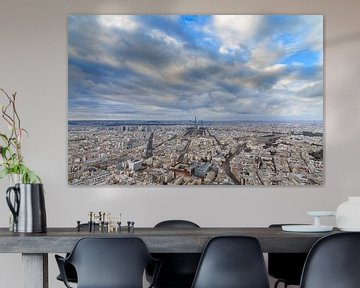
195 100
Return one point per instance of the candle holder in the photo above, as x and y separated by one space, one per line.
315 227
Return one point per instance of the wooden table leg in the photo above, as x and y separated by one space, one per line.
35 270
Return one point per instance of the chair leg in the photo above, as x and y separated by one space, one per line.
279 281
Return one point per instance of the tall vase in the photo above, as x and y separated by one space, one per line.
348 214
13 179
27 204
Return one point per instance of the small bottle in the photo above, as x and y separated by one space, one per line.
100 221
108 216
90 223
78 226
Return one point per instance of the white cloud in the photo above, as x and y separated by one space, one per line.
235 31
262 56
142 69
276 68
314 39
163 37
124 22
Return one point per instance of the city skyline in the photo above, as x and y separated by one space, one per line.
216 67
248 153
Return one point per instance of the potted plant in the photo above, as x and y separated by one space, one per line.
11 159
26 197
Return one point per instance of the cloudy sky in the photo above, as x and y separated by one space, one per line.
221 67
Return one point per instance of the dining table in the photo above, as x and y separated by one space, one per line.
35 247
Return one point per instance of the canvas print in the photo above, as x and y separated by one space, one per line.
195 100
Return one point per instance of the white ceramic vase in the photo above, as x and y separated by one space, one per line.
348 214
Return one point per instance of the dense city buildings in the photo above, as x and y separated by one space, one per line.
195 153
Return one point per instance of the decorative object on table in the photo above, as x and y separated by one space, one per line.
316 227
28 208
102 222
195 100
131 226
27 204
348 214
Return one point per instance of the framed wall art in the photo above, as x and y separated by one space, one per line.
195 100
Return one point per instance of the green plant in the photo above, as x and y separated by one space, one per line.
11 159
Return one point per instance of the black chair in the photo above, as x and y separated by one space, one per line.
69 269
286 267
333 262
232 262
178 269
108 263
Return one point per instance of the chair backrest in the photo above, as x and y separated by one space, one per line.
333 262
176 224
178 269
232 262
286 266
110 262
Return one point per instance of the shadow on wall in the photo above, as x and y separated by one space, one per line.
343 39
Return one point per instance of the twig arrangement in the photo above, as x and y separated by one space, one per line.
12 160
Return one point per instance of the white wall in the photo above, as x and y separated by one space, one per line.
33 62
